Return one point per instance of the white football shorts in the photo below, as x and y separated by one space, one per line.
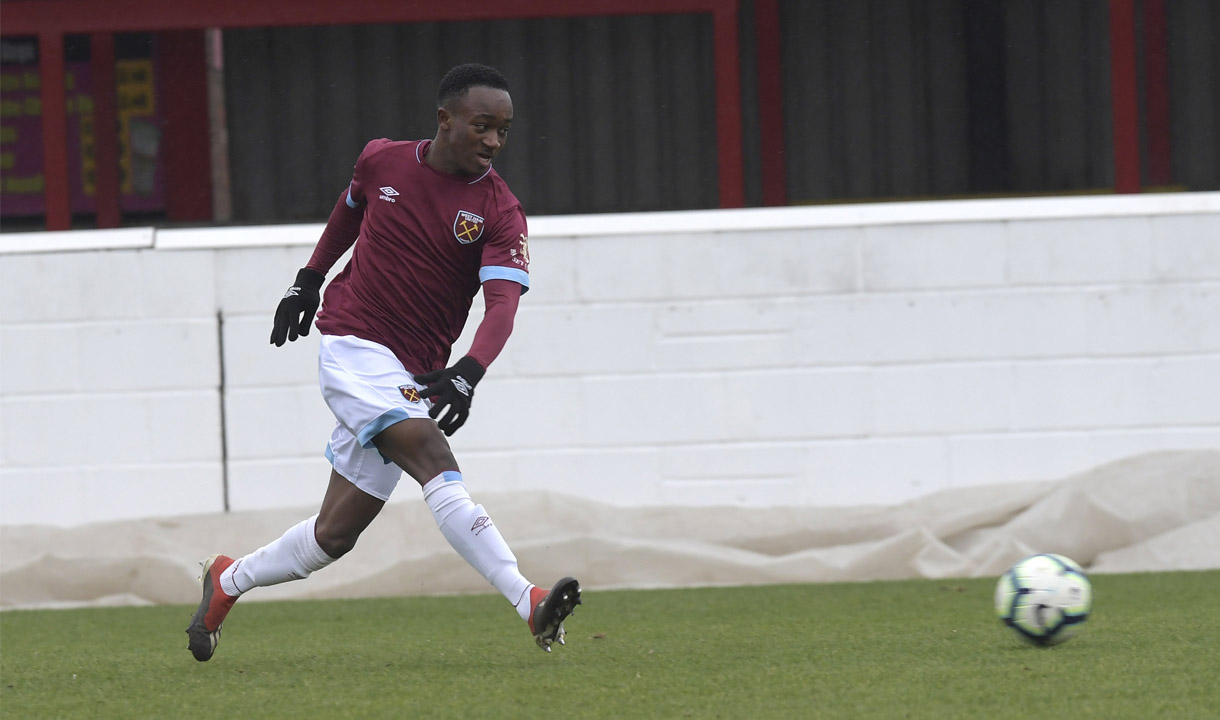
368 390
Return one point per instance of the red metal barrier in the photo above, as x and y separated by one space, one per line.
54 130
1156 93
188 160
771 102
1123 84
105 132
51 19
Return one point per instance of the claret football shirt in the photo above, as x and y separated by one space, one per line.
427 241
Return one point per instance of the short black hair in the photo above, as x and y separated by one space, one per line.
463 77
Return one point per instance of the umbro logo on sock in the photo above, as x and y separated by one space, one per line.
480 524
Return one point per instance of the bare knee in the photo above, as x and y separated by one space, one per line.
346 511
335 542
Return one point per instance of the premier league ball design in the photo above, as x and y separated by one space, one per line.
1044 598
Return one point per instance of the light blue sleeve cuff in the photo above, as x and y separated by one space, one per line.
499 272
351 203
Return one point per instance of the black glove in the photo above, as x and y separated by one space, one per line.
453 388
296 310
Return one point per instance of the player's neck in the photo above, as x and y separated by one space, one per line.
436 157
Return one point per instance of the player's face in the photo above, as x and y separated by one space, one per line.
475 129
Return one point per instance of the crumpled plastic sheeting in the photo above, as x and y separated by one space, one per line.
1148 513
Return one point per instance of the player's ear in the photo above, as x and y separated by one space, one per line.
443 118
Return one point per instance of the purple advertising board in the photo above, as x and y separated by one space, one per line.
140 124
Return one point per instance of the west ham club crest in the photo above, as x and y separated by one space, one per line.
467 227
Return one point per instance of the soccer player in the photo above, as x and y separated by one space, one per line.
431 222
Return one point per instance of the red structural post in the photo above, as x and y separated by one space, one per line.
767 38
188 158
105 131
728 105
54 131
1156 94
1125 97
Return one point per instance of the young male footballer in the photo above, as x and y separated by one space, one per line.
432 223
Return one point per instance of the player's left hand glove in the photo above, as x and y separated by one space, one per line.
453 390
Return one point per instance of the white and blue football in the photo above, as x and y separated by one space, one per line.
1044 598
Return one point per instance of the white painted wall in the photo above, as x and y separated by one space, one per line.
821 356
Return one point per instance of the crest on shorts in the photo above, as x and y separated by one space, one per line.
467 227
409 392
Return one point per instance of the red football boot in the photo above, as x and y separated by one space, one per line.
204 630
551 609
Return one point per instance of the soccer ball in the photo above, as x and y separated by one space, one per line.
1044 598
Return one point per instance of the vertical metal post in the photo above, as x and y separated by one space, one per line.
728 105
768 40
223 390
105 131
1156 94
54 131
1125 97
218 128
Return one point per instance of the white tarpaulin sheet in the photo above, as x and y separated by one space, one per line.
1148 513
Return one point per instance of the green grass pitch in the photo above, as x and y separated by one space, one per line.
912 649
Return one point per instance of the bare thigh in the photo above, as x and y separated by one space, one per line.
417 446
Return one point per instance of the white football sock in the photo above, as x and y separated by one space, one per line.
470 531
293 556
523 605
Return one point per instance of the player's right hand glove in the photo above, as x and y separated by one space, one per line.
295 312
452 388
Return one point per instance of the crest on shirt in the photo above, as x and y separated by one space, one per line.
409 392
467 227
